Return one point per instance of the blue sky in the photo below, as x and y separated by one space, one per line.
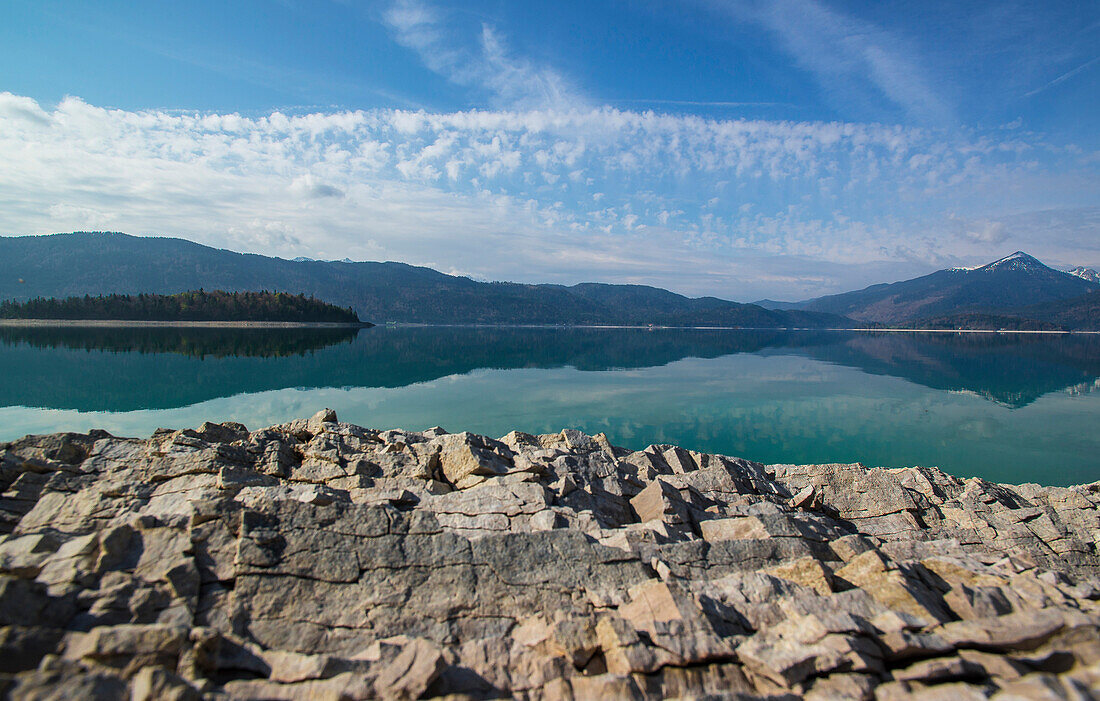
785 149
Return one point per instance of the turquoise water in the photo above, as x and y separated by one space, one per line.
1012 408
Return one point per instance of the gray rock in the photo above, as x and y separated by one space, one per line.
319 559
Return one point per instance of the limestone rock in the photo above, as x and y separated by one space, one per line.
660 501
158 684
467 460
410 674
806 571
318 559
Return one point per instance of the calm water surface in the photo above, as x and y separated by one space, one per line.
1012 408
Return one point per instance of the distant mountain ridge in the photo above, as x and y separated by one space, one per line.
1011 283
306 259
776 304
1085 274
95 263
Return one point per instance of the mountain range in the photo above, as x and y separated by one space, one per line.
64 265
1085 274
1017 291
1014 292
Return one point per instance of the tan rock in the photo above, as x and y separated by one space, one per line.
295 667
905 644
605 686
807 571
803 499
323 560
348 685
623 650
997 667
651 603
158 684
849 546
939 670
1024 630
467 460
126 640
661 502
1043 687
575 639
733 528
851 687
787 662
412 672
893 588
318 421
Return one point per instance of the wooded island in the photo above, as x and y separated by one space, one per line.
197 305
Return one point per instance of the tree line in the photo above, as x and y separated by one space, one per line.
197 305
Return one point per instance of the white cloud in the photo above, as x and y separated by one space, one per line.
20 112
848 55
732 208
986 232
310 186
483 60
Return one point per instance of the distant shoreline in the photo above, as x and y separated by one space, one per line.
999 331
119 323
721 328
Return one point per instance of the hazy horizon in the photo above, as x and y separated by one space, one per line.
531 282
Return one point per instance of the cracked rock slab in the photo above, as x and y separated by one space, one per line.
318 559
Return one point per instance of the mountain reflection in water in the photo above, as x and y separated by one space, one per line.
195 341
94 369
1005 407
1010 369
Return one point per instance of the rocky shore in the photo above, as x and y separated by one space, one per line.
319 559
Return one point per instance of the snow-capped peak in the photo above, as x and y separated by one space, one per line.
304 259
1085 274
1017 261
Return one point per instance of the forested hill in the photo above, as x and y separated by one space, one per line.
1076 314
1002 287
63 265
185 306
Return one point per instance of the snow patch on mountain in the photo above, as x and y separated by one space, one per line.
1085 274
1017 261
304 259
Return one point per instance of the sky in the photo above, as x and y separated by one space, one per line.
744 149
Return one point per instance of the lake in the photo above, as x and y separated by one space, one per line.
1005 407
